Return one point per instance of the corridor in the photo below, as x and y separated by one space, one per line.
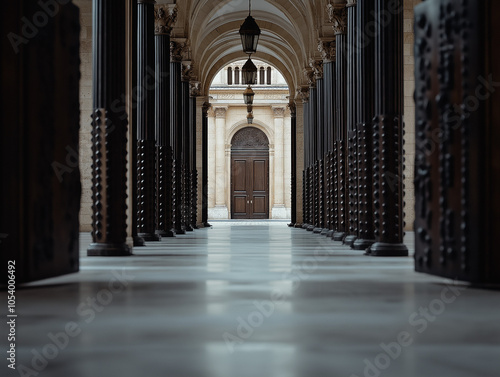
255 299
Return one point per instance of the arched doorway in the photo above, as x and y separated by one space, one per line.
250 174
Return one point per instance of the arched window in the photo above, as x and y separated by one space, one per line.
262 76
237 76
268 75
229 76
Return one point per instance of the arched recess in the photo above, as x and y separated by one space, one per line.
250 196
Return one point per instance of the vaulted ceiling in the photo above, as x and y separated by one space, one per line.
290 33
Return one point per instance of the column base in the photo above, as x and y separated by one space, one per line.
163 233
380 249
108 250
310 228
207 225
349 240
138 241
329 234
317 230
219 212
180 230
189 228
279 212
298 225
338 236
324 231
150 237
291 225
361 244
305 226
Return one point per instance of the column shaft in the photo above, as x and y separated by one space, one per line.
109 131
388 133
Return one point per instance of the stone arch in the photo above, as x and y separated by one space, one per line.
256 124
250 138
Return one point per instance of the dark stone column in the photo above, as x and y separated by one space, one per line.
176 129
164 20
352 134
338 15
186 145
388 133
306 205
328 52
109 131
293 186
366 102
146 143
313 161
204 205
194 92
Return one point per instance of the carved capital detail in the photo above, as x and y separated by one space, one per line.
309 75
220 112
337 15
195 88
187 70
303 94
165 19
317 68
176 51
279 112
293 108
351 3
328 51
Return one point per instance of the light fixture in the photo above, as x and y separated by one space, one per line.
249 73
250 33
249 108
250 118
248 95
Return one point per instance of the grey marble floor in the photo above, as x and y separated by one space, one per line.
254 299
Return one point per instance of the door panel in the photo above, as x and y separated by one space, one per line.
250 184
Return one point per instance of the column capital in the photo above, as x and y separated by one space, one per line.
337 15
195 88
303 94
187 70
146 2
328 50
309 74
220 112
278 111
176 49
206 106
351 3
293 109
317 68
165 18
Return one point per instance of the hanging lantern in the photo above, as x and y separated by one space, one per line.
248 95
249 73
250 118
250 33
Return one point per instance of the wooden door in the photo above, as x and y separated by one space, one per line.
250 185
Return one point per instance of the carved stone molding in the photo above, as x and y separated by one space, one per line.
279 112
337 15
165 18
317 68
220 112
328 50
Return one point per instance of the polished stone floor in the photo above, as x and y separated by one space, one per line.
254 299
